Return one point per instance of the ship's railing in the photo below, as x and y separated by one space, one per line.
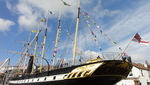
47 65
110 56
113 56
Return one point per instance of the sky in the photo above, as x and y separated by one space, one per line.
119 19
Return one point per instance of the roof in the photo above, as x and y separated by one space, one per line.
2 73
140 66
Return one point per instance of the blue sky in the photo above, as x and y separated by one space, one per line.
119 19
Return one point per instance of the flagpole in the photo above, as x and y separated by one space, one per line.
127 46
129 43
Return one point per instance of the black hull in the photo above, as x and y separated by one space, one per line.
101 80
109 73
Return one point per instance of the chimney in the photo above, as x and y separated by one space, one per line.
146 64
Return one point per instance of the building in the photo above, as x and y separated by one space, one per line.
139 75
4 69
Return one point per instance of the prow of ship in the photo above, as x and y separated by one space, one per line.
101 71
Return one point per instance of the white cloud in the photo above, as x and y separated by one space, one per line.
30 11
5 25
131 22
24 9
138 52
8 5
123 28
27 22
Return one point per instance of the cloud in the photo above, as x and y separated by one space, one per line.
8 5
104 12
131 22
27 22
30 11
138 52
5 25
121 26
122 29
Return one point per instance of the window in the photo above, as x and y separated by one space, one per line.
142 73
131 74
148 83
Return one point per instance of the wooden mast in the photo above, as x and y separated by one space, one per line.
76 35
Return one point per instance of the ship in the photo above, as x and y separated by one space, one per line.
97 71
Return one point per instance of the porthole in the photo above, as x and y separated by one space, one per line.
37 79
32 79
64 76
45 79
54 77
